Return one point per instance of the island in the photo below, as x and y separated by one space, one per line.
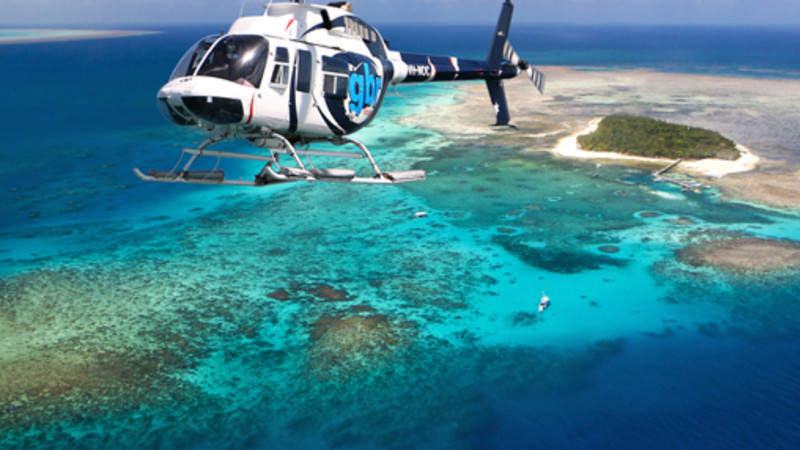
767 171
642 136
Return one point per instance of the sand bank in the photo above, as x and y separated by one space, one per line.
29 36
760 115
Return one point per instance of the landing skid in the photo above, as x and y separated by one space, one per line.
273 172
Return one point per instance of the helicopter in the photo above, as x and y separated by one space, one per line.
302 74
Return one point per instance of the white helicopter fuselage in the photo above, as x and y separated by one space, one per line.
306 73
303 81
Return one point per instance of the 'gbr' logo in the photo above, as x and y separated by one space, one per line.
364 89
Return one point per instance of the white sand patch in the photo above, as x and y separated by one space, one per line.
718 168
668 195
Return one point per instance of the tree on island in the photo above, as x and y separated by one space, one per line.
642 136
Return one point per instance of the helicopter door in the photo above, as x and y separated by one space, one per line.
280 95
301 104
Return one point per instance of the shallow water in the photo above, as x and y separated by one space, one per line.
313 316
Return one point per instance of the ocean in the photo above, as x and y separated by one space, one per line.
136 315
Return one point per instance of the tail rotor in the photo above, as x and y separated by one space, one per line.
533 73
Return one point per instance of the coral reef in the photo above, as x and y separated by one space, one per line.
745 255
751 279
352 345
63 385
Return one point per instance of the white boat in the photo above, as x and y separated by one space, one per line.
544 302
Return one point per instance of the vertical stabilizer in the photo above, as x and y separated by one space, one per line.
497 50
498 96
495 59
504 62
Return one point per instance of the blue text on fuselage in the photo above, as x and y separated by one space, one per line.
364 89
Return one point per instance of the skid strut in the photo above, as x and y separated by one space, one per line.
273 172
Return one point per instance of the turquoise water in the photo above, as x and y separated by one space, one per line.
138 315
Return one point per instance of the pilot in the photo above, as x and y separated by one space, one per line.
217 64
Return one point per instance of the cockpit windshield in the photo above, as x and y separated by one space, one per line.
239 58
188 64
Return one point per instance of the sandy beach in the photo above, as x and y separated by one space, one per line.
30 36
760 115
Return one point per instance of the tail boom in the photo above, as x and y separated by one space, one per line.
418 68
502 63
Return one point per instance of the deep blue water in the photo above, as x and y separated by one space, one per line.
158 304
730 51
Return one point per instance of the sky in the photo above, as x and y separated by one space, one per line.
30 13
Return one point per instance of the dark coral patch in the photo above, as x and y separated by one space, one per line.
321 291
248 332
524 318
556 259
327 292
362 309
447 303
710 329
280 294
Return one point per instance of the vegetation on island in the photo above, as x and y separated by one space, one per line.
642 136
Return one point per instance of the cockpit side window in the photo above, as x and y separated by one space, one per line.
238 58
280 74
191 59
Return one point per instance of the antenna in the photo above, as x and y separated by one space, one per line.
241 9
